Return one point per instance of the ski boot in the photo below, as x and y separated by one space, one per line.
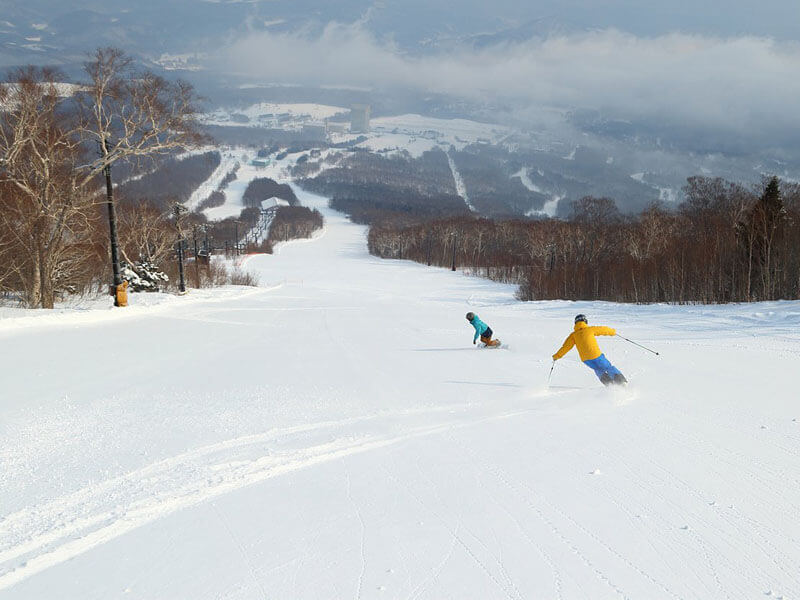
619 379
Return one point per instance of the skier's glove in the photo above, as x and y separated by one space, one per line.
473 342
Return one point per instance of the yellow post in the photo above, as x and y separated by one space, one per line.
122 294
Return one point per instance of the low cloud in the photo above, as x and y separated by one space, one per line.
741 85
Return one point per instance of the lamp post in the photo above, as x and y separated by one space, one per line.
196 265
182 282
112 223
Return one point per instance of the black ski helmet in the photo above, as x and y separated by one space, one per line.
470 316
581 318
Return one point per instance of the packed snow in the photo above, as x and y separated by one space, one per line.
335 434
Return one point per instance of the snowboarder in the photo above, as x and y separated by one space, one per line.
589 351
482 330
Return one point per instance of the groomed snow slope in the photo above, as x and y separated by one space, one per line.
336 435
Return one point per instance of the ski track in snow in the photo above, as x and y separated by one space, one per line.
54 533
722 524
468 548
363 533
525 495
242 552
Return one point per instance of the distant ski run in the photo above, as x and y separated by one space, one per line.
461 188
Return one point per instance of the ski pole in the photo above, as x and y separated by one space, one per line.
637 344
551 373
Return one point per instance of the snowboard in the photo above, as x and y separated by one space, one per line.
499 345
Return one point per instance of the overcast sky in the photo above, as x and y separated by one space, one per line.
770 18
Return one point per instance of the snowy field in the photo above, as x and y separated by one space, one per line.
417 134
336 435
264 114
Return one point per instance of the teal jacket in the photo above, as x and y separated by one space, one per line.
479 326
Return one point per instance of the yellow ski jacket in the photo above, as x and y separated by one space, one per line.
583 338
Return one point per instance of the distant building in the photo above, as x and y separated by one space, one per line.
260 162
338 127
359 118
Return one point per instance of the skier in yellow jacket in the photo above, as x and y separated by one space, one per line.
589 351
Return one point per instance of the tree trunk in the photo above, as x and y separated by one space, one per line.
34 284
46 291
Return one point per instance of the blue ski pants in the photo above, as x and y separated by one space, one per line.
600 366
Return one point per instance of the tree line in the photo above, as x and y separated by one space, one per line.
724 243
293 222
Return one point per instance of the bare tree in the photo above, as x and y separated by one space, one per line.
595 211
145 234
131 116
44 216
48 181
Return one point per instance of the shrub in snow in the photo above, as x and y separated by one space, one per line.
143 276
240 277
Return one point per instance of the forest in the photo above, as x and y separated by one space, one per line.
724 243
263 188
368 186
172 180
